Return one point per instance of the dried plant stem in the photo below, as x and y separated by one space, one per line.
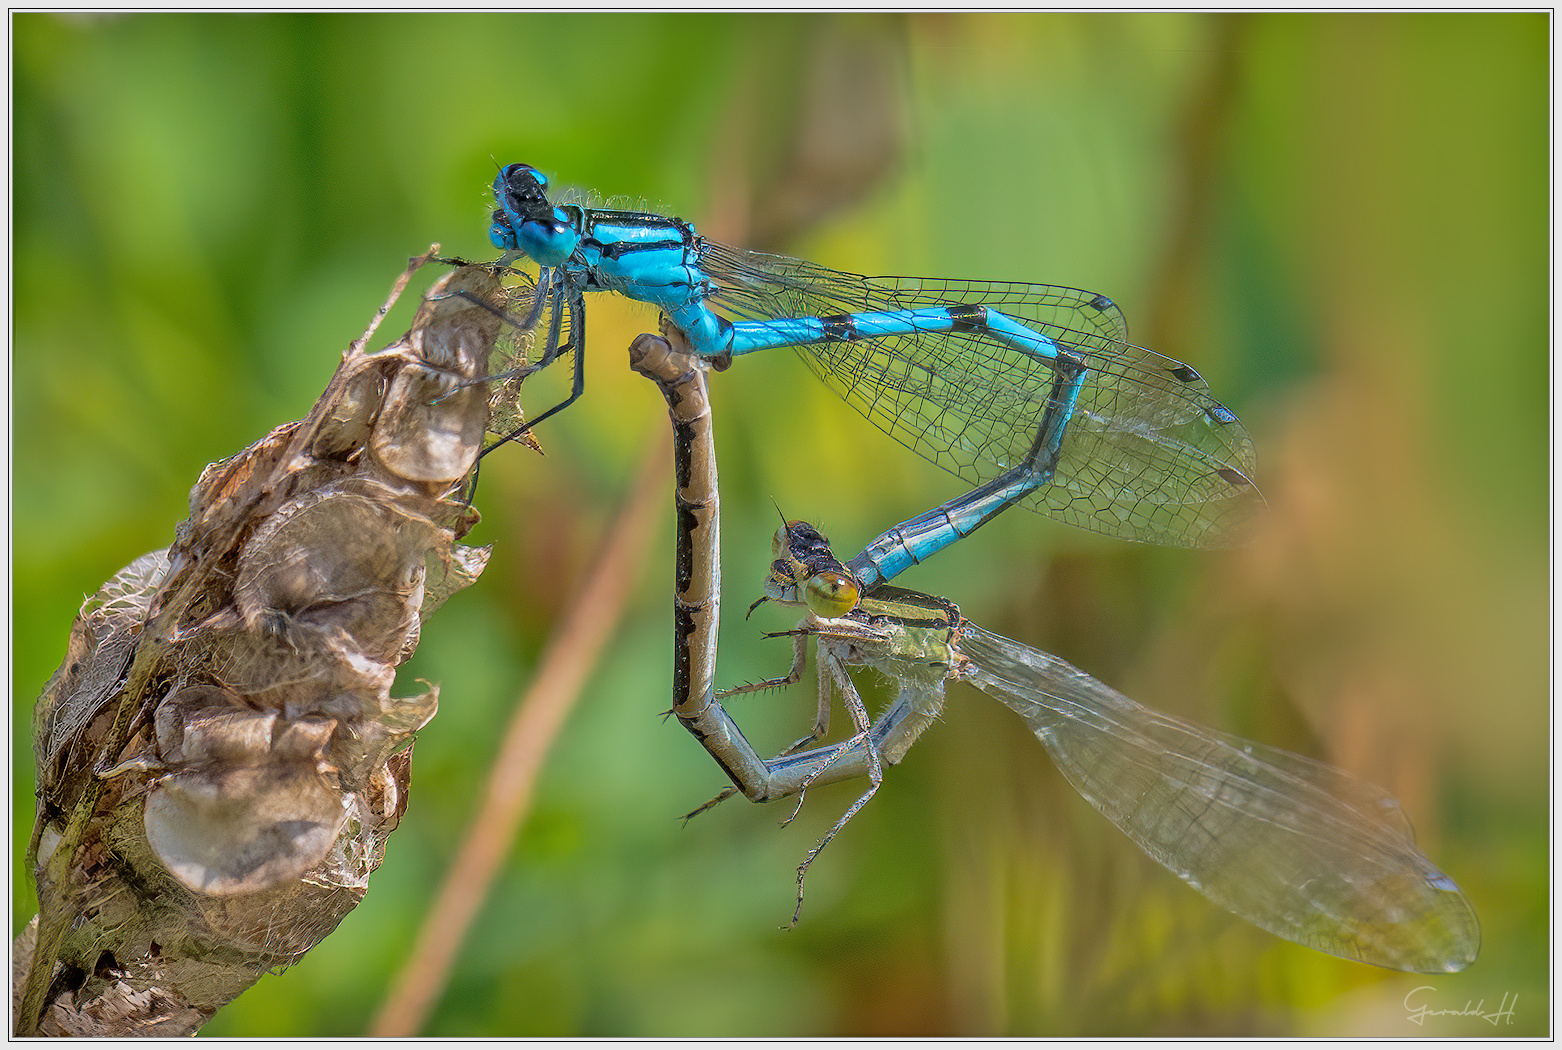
220 755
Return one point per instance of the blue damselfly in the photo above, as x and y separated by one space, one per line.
1029 392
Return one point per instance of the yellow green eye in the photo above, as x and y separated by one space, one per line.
830 594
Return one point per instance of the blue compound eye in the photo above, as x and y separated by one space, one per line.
500 234
547 240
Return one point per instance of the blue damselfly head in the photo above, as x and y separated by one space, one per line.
525 221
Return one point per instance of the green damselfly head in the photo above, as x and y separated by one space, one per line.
806 572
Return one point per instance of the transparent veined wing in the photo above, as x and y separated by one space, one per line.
1303 850
1148 455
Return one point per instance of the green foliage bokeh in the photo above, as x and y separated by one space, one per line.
1340 220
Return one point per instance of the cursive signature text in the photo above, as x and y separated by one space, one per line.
1420 1012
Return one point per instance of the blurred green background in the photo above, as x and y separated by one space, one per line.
1341 221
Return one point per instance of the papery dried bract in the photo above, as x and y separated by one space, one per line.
251 666
253 804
